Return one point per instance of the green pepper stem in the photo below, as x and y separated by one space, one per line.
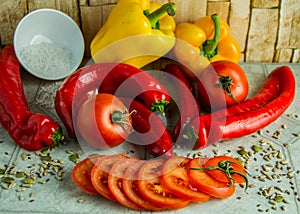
209 48
121 118
159 105
169 8
57 137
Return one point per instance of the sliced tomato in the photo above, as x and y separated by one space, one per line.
220 175
130 187
100 172
81 174
115 178
201 180
175 179
149 185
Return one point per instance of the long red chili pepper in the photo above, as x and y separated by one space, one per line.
270 103
149 129
187 104
132 82
29 130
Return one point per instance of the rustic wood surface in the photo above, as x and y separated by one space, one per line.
267 30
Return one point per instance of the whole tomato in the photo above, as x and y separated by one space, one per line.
103 121
222 84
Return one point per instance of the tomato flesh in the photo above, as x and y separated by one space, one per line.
130 187
100 172
206 183
221 176
115 178
149 185
81 174
175 179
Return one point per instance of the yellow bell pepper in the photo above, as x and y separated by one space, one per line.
209 37
136 32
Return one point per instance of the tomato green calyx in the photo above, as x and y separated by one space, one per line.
226 82
190 134
159 105
121 118
225 166
209 47
169 8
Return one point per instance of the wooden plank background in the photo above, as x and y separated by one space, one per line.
267 30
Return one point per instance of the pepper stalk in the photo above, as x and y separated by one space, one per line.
209 47
154 17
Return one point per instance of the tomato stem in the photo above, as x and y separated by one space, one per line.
225 166
226 82
122 119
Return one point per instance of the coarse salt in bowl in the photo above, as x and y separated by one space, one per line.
49 44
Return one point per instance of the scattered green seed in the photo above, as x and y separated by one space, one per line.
73 158
9 180
278 198
20 174
29 180
256 148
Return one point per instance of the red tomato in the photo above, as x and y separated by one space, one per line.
220 175
103 121
81 174
175 179
222 84
115 178
206 183
100 172
130 187
149 185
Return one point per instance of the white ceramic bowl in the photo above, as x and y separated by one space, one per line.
49 44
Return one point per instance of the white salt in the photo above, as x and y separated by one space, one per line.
46 59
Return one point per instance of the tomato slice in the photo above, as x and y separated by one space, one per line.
149 185
115 178
100 172
220 175
206 183
81 174
175 179
130 187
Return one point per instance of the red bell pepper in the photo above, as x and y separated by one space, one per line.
29 130
245 118
106 78
149 130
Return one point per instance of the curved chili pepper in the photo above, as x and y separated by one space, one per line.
29 130
149 129
188 105
131 82
270 103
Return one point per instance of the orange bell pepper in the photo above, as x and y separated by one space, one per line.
209 37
